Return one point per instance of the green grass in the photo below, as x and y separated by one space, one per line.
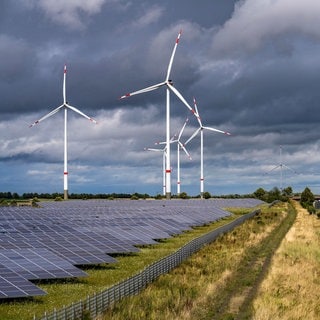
63 292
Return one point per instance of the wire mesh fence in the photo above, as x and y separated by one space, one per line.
94 305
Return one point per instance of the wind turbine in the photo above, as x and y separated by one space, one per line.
200 129
66 106
169 85
281 166
180 146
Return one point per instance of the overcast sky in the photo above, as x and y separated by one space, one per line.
252 65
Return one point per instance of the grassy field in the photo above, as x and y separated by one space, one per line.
291 288
220 281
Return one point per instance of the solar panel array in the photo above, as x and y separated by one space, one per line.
52 241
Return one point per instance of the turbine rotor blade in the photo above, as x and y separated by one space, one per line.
184 149
81 113
154 87
47 116
192 136
204 127
181 131
153 149
179 95
172 56
289 168
274 168
64 84
217 130
196 109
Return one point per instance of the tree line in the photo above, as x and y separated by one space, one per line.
274 194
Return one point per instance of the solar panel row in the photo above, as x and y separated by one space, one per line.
50 241
12 285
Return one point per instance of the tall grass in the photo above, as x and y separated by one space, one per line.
212 284
291 289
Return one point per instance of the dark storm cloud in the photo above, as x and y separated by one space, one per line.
252 66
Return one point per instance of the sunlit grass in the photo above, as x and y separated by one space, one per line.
291 290
212 284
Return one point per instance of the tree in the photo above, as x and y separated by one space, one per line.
207 195
183 195
261 194
287 191
307 199
274 195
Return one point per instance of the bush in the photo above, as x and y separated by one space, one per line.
3 202
183 195
261 194
311 209
13 203
307 199
207 195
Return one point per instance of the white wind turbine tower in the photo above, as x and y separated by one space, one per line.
66 106
201 128
180 146
163 166
164 155
169 85
281 166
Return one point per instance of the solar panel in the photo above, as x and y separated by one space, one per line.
12 285
39 263
50 241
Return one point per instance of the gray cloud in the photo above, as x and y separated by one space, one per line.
251 65
72 13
